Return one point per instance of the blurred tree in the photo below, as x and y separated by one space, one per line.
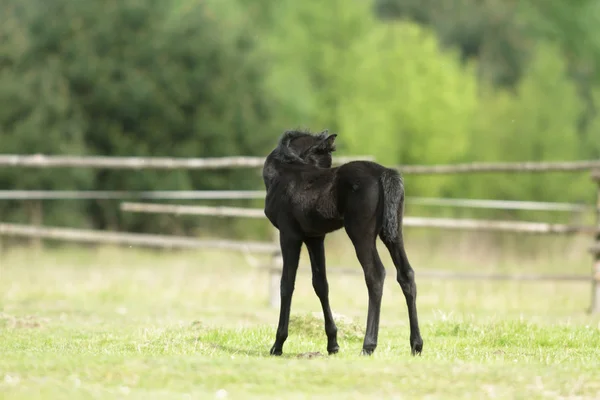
589 148
575 27
491 31
536 123
38 115
310 60
413 82
408 101
144 78
501 34
385 88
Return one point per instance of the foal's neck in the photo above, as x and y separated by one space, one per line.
275 169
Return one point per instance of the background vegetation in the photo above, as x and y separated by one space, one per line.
407 81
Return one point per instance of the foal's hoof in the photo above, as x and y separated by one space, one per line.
333 350
275 352
416 347
367 352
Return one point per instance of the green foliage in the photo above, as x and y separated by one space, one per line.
120 79
571 24
490 31
589 145
404 89
386 88
407 81
39 114
536 122
313 62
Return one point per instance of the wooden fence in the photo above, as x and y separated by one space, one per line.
539 167
260 194
89 236
132 239
43 161
46 161
419 222
440 223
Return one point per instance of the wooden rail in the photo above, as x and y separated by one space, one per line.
564 166
419 222
260 194
59 161
133 195
493 225
452 275
498 204
219 211
135 239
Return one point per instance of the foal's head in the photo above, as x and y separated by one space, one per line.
312 149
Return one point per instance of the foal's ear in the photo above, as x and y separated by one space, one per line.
327 144
330 141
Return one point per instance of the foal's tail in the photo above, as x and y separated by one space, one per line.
393 204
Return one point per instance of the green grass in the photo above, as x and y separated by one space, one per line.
138 324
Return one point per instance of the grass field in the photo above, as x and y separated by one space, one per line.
117 323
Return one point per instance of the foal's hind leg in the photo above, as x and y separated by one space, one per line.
290 251
406 278
316 250
364 243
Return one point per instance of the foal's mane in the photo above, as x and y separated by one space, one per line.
286 153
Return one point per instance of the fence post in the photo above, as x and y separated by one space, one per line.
595 308
37 220
275 273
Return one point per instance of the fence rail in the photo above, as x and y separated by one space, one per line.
456 275
113 162
419 222
494 225
135 239
499 204
260 194
220 211
139 195
50 161
561 166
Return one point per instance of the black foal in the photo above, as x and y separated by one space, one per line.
307 198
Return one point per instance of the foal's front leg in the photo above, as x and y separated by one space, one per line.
290 252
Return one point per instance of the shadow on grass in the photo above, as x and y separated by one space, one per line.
264 353
304 327
240 351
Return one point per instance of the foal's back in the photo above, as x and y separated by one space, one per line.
324 200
